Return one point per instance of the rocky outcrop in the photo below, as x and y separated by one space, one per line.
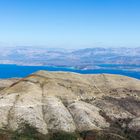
135 124
61 102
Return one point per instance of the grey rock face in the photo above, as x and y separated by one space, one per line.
57 116
86 116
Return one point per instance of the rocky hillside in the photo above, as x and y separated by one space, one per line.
7 82
69 106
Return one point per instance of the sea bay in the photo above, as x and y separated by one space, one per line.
16 71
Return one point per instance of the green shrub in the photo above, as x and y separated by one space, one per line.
27 133
63 136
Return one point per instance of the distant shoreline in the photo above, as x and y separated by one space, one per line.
97 66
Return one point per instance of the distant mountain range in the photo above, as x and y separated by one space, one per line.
89 58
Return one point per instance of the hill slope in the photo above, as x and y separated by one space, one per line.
61 102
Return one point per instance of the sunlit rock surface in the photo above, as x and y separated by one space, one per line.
53 102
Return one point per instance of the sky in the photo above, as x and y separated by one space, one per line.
70 23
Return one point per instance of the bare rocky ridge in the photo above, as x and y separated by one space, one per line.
7 82
55 102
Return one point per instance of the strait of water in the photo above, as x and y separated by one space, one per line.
11 71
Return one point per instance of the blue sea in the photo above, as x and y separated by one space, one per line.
11 71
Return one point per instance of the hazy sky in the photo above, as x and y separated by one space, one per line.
70 23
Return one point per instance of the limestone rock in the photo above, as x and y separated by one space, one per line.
135 124
87 116
57 116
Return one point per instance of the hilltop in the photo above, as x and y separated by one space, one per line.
47 104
